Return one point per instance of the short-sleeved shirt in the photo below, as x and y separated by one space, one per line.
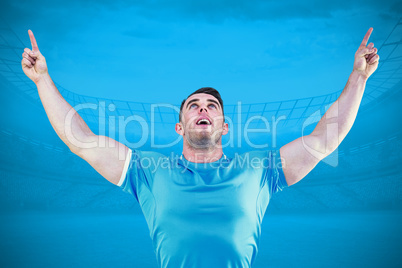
203 214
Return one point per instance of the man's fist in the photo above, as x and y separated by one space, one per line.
33 63
366 58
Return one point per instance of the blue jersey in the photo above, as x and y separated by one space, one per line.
204 214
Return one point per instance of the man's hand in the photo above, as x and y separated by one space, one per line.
366 58
33 63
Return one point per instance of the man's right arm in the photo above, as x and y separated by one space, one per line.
104 154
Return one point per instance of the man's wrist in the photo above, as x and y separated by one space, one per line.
359 75
42 79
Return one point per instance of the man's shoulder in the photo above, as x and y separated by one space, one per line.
150 154
256 154
150 158
255 159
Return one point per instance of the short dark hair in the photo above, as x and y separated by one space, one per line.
206 90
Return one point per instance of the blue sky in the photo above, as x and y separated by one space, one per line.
160 51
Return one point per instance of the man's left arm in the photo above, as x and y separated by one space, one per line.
300 156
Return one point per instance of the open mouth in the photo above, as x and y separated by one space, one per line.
203 121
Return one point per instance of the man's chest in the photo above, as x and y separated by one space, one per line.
230 196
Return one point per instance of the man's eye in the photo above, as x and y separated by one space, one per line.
193 106
212 106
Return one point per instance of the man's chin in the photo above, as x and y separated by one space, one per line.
202 131
202 136
202 127
201 140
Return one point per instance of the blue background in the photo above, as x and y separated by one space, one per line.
56 211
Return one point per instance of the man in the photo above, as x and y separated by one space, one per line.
203 209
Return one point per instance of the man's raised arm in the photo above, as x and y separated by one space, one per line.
300 156
108 159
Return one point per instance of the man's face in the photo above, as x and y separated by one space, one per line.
202 122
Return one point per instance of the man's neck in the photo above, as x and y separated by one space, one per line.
204 155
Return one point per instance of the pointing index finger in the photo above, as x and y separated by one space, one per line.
366 37
33 41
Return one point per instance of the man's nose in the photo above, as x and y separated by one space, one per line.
203 109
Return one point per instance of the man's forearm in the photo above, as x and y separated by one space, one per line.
67 123
339 118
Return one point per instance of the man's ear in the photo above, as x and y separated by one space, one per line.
225 128
179 129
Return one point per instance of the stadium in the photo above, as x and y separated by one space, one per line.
57 211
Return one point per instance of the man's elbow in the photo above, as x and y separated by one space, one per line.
322 145
82 146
